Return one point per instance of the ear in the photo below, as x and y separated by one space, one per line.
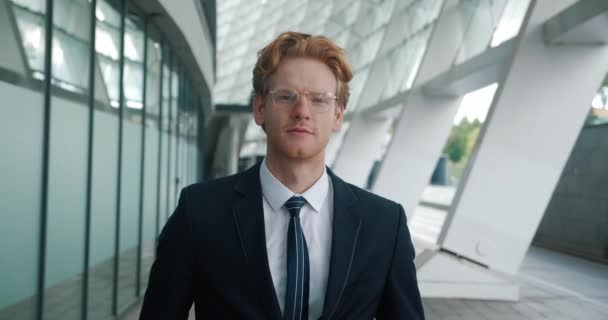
258 109
339 114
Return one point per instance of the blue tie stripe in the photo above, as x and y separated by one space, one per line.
298 273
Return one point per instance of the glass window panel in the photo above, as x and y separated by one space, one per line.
107 44
150 201
107 14
404 62
166 85
66 207
175 80
70 62
103 215
332 29
171 174
398 60
420 14
131 159
133 83
164 183
510 21
479 31
104 173
356 88
153 76
67 168
342 39
110 74
32 35
373 16
175 83
365 51
20 194
32 5
152 154
418 48
349 15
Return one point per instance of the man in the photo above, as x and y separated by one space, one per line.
287 239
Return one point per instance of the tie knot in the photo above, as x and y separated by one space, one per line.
294 204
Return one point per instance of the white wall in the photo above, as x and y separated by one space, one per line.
194 27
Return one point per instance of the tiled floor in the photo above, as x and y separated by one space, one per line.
63 301
553 286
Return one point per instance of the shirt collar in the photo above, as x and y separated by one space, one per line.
277 194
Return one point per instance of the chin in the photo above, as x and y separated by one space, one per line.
300 153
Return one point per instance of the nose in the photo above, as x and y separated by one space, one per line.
302 109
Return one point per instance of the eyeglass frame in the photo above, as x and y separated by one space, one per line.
307 94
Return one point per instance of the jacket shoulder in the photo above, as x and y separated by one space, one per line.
213 187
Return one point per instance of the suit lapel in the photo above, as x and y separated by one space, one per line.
248 214
345 231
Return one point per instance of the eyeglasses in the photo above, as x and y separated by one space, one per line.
320 101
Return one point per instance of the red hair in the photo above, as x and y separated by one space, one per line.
295 44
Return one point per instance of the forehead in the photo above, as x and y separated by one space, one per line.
305 74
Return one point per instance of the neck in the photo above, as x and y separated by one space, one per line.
296 175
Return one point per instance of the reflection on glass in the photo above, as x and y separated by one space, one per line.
372 16
30 21
131 160
398 61
415 51
151 178
105 166
67 166
480 26
153 78
70 39
510 22
107 44
366 50
20 169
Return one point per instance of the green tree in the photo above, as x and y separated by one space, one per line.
462 140
456 146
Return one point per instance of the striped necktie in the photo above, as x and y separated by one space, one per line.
296 297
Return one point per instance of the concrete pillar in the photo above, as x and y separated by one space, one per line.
535 118
425 121
361 147
419 137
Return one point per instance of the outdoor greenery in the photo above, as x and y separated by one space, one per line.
592 116
460 145
462 140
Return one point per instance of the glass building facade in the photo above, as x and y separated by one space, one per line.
98 132
102 122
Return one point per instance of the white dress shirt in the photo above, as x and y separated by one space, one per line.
316 218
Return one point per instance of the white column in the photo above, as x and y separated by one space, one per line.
226 157
361 147
534 121
415 148
424 122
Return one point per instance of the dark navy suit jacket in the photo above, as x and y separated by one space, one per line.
212 252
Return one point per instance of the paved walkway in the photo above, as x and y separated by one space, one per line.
553 286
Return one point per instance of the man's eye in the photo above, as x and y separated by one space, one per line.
318 100
285 97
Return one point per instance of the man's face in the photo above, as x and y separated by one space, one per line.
299 132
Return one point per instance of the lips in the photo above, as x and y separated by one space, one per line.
300 130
